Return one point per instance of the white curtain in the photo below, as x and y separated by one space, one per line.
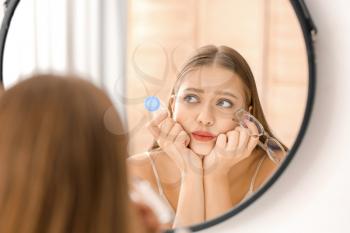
85 37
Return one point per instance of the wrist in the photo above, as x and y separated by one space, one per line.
193 167
192 174
216 173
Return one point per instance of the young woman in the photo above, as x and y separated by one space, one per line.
208 157
61 170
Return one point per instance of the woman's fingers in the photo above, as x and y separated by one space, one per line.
182 138
221 141
254 138
153 125
243 138
253 130
240 140
165 127
174 132
232 141
253 141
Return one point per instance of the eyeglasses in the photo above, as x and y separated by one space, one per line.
273 148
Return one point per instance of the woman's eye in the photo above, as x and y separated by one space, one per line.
191 99
225 103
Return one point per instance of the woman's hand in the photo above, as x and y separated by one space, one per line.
147 219
173 140
230 149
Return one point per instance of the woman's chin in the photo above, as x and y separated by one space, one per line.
202 149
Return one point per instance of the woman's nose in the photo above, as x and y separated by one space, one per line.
206 117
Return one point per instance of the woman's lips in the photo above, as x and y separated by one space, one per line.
203 136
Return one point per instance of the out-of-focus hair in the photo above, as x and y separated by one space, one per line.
61 169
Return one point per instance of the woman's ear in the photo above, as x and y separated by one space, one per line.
172 103
250 109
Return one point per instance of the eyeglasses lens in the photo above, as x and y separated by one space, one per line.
274 149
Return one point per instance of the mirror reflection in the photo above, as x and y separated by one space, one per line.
211 93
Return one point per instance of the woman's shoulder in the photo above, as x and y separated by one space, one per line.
144 158
140 165
141 158
266 170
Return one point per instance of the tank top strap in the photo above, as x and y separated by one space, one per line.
252 181
159 185
155 172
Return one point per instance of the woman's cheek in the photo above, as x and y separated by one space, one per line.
185 118
226 126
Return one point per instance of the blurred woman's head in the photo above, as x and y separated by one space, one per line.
61 170
1 89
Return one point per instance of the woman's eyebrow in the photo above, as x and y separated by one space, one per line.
216 92
226 93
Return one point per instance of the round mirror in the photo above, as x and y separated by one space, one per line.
215 95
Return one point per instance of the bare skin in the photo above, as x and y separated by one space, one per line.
238 181
199 195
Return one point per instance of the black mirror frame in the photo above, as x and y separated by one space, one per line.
309 31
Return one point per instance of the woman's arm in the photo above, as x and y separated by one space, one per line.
190 207
217 195
173 140
229 150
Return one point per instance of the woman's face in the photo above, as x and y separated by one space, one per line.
205 104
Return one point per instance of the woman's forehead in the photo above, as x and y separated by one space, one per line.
211 79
